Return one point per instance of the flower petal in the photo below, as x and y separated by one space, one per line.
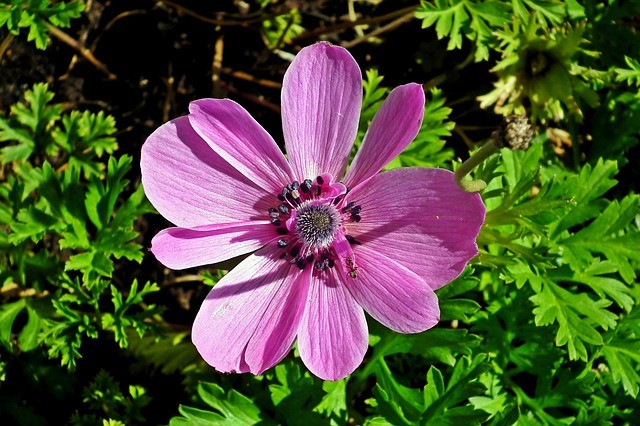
278 327
420 219
391 294
178 171
333 334
394 126
321 102
181 248
241 141
230 331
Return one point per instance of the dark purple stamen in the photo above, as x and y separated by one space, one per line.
301 263
282 231
352 240
275 221
281 197
349 206
283 243
321 265
336 200
306 185
294 251
331 263
274 215
309 258
283 255
272 210
319 180
356 217
356 210
282 208
295 185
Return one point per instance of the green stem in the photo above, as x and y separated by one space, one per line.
486 151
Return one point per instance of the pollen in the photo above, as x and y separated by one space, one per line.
316 224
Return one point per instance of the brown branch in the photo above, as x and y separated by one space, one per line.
216 66
252 98
390 26
5 44
349 24
221 22
241 75
78 46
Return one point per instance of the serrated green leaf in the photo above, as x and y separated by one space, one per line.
575 315
606 235
8 314
231 408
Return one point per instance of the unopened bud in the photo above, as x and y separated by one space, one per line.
515 132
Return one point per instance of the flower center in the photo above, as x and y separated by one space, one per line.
311 220
316 224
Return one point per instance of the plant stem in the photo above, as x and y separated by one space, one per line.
486 151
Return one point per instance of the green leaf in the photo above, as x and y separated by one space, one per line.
231 408
29 336
575 314
630 75
8 314
606 235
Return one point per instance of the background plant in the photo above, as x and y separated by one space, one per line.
542 328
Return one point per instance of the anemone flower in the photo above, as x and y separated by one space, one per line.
324 244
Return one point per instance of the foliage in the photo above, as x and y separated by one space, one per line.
37 16
67 227
542 328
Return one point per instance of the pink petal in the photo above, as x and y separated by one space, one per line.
233 328
321 102
241 141
333 334
420 219
391 294
278 327
179 171
180 248
394 126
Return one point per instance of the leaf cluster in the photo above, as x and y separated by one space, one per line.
37 16
68 223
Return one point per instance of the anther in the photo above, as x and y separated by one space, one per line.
352 240
295 251
282 244
306 185
272 210
281 197
282 208
356 217
274 215
321 265
282 231
309 258
283 255
336 200
295 185
331 263
301 263
275 221
295 194
284 192
319 180
356 210
349 206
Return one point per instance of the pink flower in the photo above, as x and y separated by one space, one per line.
326 245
